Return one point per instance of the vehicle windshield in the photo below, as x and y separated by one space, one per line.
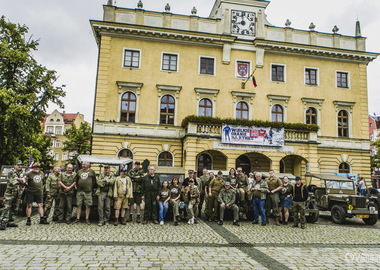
348 185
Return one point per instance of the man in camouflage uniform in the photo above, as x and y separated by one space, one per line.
15 182
226 199
151 186
136 175
104 191
52 194
67 183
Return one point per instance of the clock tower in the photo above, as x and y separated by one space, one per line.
243 18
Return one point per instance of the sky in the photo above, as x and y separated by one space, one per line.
67 44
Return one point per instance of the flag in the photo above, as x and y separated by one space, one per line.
31 162
254 81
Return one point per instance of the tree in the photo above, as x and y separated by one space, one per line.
78 141
26 89
375 160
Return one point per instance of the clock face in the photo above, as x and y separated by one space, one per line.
243 23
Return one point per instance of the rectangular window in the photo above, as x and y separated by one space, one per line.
57 143
342 79
311 76
207 66
278 73
59 131
64 156
56 156
132 58
50 130
169 62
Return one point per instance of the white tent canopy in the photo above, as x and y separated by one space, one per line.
104 160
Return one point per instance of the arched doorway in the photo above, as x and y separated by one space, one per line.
294 164
204 161
212 160
243 162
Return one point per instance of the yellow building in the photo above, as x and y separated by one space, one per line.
157 68
55 124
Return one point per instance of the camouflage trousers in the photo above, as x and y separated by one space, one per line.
10 200
49 204
299 209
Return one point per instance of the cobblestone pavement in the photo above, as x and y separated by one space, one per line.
202 246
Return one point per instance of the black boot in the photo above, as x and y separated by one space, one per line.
28 222
43 221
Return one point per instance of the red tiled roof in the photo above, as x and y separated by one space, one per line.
69 117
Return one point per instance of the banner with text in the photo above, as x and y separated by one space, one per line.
264 136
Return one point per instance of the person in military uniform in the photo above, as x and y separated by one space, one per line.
150 188
273 196
175 195
191 199
201 186
35 181
136 175
207 198
85 180
104 191
66 192
15 182
300 195
122 192
226 199
214 188
241 183
259 190
186 181
52 194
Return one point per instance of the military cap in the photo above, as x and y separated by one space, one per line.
190 171
228 184
298 178
18 162
220 172
36 165
107 166
137 163
123 170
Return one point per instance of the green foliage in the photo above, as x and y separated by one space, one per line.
78 141
26 89
248 123
375 160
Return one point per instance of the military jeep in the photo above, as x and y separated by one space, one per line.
337 195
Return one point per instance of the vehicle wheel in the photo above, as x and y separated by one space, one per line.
338 214
372 220
312 218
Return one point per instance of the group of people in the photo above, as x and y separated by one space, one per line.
131 188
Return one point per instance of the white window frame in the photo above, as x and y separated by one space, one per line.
49 130
57 129
318 115
304 76
57 143
56 156
168 152
349 123
123 58
237 76
270 72
162 59
64 156
348 79
199 66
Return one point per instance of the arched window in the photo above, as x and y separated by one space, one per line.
311 116
277 114
242 110
204 161
205 107
165 159
167 110
125 153
344 167
128 107
343 124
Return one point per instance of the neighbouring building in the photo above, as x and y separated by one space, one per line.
374 131
157 68
55 124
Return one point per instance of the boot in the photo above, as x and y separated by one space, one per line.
295 225
3 227
12 225
28 222
43 221
302 226
130 218
116 222
138 218
123 222
236 223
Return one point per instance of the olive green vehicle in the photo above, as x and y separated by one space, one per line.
337 195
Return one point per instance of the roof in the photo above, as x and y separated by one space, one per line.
328 177
68 118
103 160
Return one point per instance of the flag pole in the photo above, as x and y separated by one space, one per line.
250 76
